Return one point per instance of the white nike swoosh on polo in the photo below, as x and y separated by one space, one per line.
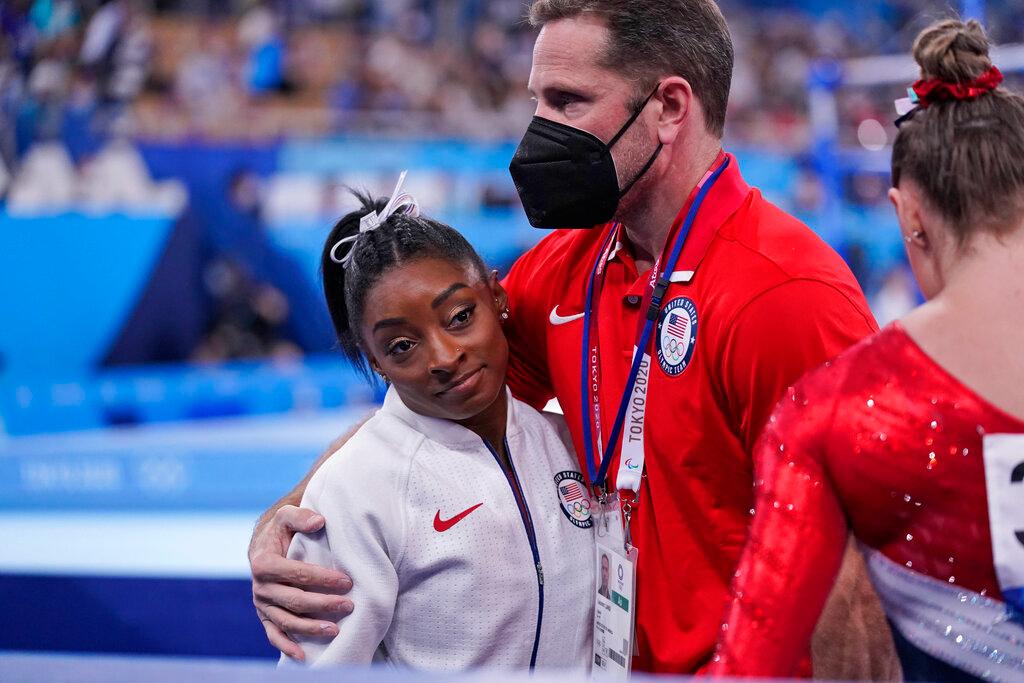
556 319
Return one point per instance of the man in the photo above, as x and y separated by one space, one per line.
755 300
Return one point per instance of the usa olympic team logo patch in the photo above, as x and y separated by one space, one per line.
677 335
574 498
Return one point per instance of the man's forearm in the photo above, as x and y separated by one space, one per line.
294 497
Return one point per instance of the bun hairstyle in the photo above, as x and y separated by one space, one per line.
967 155
400 238
952 51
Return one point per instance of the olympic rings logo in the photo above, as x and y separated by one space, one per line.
579 509
676 349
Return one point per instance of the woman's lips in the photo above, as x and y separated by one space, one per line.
465 384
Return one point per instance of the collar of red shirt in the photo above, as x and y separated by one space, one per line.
722 201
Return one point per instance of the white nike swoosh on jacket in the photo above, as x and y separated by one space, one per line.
556 319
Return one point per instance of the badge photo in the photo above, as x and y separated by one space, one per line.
677 335
574 498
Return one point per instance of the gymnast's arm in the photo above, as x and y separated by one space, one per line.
285 590
796 546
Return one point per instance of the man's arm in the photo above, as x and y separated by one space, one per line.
362 499
283 589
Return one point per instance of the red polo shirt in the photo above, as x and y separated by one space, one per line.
768 300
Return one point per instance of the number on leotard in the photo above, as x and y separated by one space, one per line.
1004 484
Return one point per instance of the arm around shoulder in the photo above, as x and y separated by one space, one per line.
362 502
283 589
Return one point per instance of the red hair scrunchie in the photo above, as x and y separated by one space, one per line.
936 90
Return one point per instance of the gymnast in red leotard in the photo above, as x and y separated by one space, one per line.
914 438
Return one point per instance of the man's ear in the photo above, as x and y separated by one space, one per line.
677 105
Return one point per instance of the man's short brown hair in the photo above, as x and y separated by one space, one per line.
654 38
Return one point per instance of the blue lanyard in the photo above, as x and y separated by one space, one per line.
599 472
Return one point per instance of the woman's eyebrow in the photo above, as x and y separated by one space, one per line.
439 299
388 322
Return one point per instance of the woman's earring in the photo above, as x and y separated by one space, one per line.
504 314
384 377
916 235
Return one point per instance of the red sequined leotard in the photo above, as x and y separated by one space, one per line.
882 441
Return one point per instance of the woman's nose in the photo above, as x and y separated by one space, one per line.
447 356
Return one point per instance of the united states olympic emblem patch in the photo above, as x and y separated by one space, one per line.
677 335
574 498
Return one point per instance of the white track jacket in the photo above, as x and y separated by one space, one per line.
451 571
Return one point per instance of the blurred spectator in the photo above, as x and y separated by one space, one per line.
204 86
249 317
53 18
258 33
116 50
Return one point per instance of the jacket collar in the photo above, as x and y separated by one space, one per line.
446 432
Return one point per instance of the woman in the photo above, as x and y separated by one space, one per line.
431 500
915 437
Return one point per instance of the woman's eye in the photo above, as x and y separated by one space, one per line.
462 317
399 347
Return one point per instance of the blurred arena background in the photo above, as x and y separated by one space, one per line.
168 172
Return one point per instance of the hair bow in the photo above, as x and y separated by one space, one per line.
400 202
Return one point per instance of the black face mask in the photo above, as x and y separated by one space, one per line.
566 176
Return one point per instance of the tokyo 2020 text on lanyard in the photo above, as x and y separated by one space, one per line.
631 459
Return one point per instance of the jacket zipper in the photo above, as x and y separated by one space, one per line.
531 535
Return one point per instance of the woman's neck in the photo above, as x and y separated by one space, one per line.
489 424
989 280
972 327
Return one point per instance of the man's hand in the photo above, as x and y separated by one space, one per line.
280 587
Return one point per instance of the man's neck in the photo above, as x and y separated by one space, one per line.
648 220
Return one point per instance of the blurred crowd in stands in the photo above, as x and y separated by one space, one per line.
253 71
262 68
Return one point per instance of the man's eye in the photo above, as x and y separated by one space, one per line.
399 347
563 100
